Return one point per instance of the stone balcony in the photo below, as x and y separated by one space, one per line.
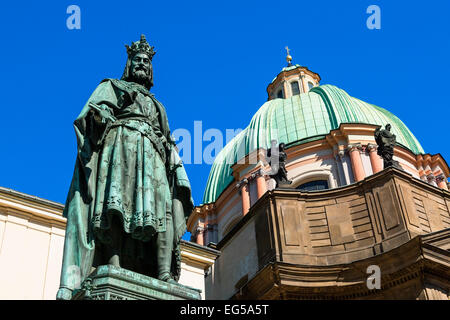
309 245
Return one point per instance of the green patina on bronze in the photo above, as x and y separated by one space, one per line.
130 195
112 283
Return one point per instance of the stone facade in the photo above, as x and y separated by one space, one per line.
318 245
31 246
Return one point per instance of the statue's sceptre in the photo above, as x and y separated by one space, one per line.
103 112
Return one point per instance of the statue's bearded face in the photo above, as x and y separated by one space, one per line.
140 68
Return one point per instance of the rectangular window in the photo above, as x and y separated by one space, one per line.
295 88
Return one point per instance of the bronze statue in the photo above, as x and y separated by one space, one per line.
277 160
386 142
130 195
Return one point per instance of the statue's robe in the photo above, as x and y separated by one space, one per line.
128 168
386 142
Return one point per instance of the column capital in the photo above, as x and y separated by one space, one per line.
242 183
442 182
258 173
431 177
199 235
340 154
354 146
371 147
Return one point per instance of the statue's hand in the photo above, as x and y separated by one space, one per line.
101 113
97 117
105 113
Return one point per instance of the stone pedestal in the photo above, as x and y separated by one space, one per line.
114 283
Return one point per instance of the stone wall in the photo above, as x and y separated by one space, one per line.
336 228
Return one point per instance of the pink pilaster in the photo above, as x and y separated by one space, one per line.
375 159
357 166
245 197
442 182
261 186
200 239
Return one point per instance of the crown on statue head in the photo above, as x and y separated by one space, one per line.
141 46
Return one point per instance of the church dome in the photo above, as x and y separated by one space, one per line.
299 119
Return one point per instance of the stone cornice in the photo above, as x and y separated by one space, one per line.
31 207
200 212
13 194
432 161
198 254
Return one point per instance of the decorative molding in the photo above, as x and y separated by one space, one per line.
200 230
354 146
32 208
242 184
372 147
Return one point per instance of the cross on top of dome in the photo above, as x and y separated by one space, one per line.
288 57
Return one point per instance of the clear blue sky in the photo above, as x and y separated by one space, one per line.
213 63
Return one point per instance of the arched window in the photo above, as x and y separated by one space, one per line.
295 88
310 85
280 94
314 185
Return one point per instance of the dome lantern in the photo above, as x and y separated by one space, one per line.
293 80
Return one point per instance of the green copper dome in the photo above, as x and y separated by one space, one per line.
300 119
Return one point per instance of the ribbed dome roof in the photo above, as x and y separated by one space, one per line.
300 119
